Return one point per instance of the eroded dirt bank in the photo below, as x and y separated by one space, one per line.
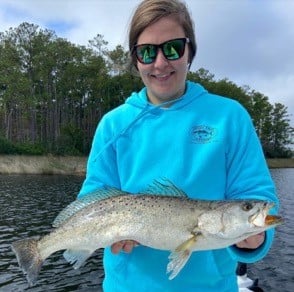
73 165
20 164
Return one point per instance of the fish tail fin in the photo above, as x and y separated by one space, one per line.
28 257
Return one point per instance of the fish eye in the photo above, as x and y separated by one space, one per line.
247 206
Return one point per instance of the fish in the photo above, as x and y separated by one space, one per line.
168 220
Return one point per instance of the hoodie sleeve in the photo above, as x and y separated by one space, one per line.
248 176
101 165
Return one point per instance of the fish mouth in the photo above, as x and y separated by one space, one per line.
258 219
261 218
273 220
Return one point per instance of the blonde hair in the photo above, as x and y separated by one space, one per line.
150 11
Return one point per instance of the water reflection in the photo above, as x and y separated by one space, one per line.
29 205
276 270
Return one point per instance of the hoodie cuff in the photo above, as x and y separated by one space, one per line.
253 255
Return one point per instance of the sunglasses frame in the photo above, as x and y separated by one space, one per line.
160 46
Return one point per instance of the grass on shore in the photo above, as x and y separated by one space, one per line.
74 165
281 162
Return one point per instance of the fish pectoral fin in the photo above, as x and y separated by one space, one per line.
76 257
179 257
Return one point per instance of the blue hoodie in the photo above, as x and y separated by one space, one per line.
207 146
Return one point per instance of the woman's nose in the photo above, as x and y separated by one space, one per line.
160 60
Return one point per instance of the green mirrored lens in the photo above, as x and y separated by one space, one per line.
147 54
173 50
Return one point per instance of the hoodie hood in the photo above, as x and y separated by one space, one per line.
193 91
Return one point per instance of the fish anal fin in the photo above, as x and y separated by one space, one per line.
77 257
179 257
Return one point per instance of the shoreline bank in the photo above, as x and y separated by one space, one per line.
74 165
55 165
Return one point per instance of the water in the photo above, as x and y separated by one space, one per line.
276 270
29 204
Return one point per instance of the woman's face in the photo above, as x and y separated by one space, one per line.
164 79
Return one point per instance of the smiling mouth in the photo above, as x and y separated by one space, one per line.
162 77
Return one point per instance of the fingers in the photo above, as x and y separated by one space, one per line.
117 247
252 242
128 247
125 245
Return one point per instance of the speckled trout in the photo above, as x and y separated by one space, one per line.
167 222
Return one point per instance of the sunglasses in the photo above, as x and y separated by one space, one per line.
172 50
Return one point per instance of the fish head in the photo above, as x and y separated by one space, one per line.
234 219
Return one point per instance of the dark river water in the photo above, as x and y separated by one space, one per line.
29 204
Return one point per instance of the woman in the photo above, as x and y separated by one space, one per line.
205 144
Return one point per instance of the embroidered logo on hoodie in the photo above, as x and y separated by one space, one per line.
202 134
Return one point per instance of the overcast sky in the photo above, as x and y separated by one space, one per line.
250 42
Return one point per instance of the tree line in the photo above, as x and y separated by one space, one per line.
53 93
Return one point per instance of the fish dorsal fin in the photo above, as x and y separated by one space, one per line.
85 201
164 187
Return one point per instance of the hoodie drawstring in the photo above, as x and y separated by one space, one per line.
143 112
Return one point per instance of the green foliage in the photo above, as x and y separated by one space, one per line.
7 147
30 149
63 90
118 60
70 141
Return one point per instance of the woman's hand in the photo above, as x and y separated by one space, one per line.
125 245
252 242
